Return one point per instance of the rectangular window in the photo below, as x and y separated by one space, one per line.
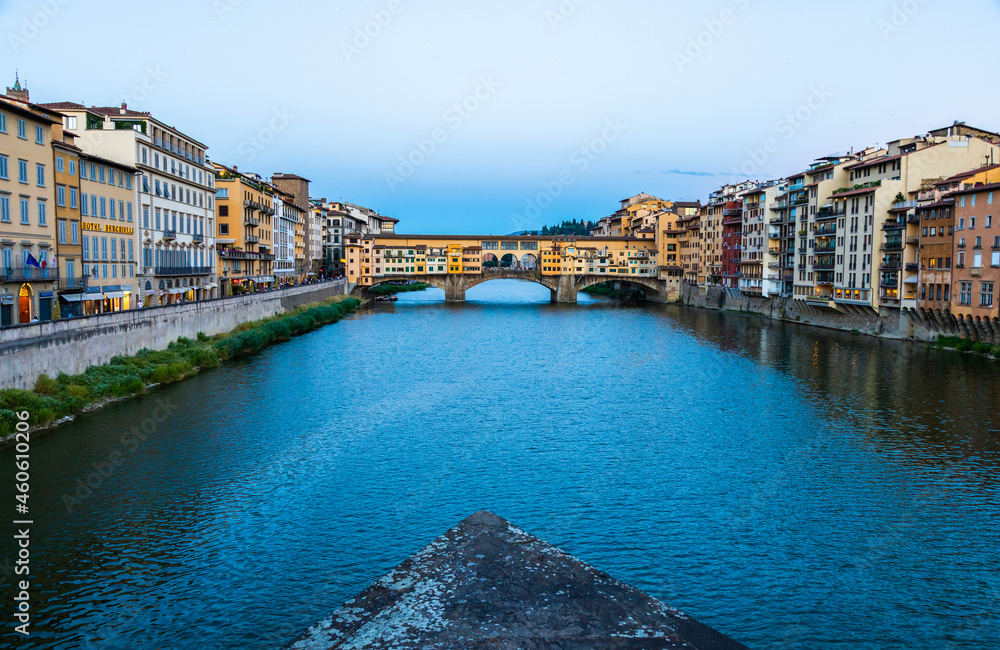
104 249
3 168
72 168
39 135
83 205
41 213
131 252
72 198
22 129
104 208
114 249
22 171
60 165
129 211
61 196
128 181
3 123
112 215
100 170
97 252
62 231
986 294
74 232
4 209
86 248
25 217
40 172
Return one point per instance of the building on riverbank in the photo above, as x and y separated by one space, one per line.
245 206
174 196
29 274
977 237
73 280
108 242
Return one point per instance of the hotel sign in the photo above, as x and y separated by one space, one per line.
107 227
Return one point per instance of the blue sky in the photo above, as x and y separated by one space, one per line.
491 117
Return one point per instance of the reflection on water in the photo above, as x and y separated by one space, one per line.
794 487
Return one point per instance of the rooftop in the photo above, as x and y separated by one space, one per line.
486 584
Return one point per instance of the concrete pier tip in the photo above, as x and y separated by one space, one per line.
486 584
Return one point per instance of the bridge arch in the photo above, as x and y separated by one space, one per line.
529 262
651 288
509 261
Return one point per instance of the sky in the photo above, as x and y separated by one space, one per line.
493 117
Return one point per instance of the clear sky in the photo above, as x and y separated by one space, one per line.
491 117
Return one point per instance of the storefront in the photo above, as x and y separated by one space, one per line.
6 310
104 300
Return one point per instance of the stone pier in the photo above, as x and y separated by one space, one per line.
486 584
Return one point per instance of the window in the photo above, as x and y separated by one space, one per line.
104 208
128 181
22 129
40 172
3 168
965 294
961 224
41 213
131 252
100 170
104 251
22 171
25 219
83 205
72 168
112 216
62 231
72 198
60 165
61 196
129 211
74 232
4 209
986 294
972 223
114 249
39 135
3 123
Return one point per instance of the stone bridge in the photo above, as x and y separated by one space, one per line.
564 288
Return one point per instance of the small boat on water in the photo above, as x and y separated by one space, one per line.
386 298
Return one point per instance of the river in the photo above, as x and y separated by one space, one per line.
791 486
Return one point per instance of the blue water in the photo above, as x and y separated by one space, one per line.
790 486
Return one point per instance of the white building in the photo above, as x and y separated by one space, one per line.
286 218
176 233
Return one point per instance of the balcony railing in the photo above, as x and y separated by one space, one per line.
170 234
199 238
912 268
253 222
823 266
893 225
80 282
253 239
182 270
826 248
904 205
893 245
29 273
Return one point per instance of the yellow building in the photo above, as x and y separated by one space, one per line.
69 250
245 212
108 241
28 271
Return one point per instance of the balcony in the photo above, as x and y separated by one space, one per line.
779 205
182 270
829 230
912 241
170 234
912 268
891 266
823 266
29 274
236 254
912 219
893 245
829 213
198 238
252 239
74 283
826 248
976 271
904 205
253 222
890 283
893 225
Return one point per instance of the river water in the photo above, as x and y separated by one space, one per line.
791 486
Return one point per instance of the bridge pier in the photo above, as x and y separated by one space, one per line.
565 291
454 288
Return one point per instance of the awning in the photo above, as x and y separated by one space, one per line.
263 279
176 291
913 279
210 286
73 297
111 295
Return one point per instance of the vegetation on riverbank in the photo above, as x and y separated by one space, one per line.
393 289
965 345
124 377
609 292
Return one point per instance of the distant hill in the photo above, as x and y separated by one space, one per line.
574 228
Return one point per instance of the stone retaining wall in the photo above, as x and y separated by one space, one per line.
72 345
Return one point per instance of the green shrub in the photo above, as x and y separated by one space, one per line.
965 345
948 341
46 386
982 348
